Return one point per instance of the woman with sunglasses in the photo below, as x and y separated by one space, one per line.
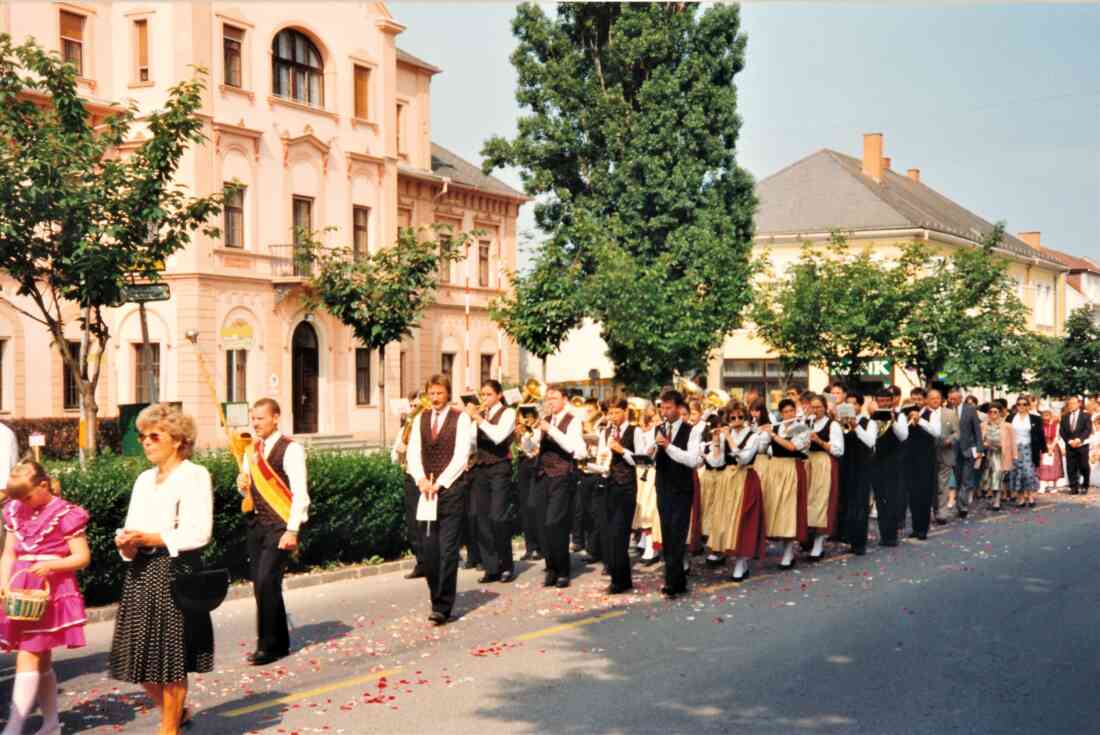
1027 431
156 642
45 543
737 526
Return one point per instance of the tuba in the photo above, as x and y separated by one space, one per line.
239 442
717 398
686 386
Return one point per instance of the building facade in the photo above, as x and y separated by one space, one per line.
326 123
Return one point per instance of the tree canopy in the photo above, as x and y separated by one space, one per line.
629 143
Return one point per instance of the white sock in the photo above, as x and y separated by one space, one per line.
740 568
788 554
713 557
23 694
47 702
649 553
687 564
819 546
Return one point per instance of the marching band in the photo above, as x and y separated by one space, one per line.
698 472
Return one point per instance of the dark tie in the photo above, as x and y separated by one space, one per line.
435 425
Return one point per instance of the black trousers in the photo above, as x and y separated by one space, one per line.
468 536
675 511
618 517
922 490
888 505
554 499
439 543
588 507
1077 468
412 498
855 511
492 494
266 563
525 481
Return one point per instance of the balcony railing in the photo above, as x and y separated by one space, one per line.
291 261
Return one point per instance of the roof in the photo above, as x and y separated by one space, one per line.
405 56
827 191
459 170
1072 262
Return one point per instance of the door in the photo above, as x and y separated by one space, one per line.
304 379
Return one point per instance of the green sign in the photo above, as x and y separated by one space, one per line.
145 292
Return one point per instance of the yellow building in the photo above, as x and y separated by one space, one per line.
880 209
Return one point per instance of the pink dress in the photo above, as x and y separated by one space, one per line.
41 534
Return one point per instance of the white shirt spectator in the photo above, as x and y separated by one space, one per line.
180 509
9 452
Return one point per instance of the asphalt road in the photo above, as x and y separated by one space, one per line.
990 626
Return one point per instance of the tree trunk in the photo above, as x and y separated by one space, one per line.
382 395
90 412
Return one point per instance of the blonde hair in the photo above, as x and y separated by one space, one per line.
176 423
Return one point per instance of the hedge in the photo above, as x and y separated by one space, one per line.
62 434
356 513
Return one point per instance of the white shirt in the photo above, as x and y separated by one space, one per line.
9 453
572 439
901 427
397 449
464 437
934 423
800 442
604 445
1021 427
836 435
501 431
691 457
868 435
294 464
180 509
717 457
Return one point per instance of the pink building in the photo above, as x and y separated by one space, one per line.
326 122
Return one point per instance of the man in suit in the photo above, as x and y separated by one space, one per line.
968 449
1075 429
948 421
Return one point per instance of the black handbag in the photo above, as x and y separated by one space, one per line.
202 591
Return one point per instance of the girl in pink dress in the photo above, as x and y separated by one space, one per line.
46 539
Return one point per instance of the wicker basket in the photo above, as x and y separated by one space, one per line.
26 604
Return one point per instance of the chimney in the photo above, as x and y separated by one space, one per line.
885 163
914 174
1032 239
872 156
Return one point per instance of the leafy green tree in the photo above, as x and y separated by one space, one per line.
79 221
1010 360
835 308
381 295
629 142
1071 364
960 305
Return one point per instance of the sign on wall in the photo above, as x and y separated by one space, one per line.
237 335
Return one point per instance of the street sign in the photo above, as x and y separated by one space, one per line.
140 293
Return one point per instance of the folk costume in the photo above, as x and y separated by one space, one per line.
823 481
736 519
784 484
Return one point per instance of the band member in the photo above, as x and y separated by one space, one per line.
860 435
618 443
783 480
823 493
677 453
714 456
560 446
738 526
589 503
888 466
274 474
412 494
491 481
525 482
921 454
439 449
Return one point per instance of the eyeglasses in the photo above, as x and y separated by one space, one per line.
152 436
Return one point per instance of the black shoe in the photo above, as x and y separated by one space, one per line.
506 577
1031 504
995 508
562 583
963 514
743 577
788 567
470 564
536 556
437 618
650 562
941 521
263 658
859 551
487 578
919 536
415 573
549 580
617 590
888 543
715 562
669 592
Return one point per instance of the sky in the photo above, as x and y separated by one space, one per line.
997 105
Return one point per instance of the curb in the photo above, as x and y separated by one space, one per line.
240 590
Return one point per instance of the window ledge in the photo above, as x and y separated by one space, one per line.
139 85
86 81
359 122
240 91
284 102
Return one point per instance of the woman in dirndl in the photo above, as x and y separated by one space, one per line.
156 642
45 543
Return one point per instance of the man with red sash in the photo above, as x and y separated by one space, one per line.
274 476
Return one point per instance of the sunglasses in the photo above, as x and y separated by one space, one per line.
152 436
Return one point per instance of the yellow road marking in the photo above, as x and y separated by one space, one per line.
569 626
308 693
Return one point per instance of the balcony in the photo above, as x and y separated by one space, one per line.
290 261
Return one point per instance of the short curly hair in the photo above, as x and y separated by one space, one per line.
175 422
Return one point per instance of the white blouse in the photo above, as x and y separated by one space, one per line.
1021 427
180 509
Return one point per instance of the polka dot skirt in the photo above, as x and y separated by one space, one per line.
155 641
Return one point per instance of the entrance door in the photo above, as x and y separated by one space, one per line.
304 383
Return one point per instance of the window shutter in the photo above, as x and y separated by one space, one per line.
72 26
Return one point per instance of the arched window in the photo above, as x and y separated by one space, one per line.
297 70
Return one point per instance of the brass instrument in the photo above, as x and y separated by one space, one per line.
422 404
634 409
686 386
533 391
717 398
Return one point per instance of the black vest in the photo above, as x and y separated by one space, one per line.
553 460
780 452
823 435
265 514
731 455
888 446
622 472
489 453
436 454
673 477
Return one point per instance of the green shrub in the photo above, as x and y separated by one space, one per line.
356 513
